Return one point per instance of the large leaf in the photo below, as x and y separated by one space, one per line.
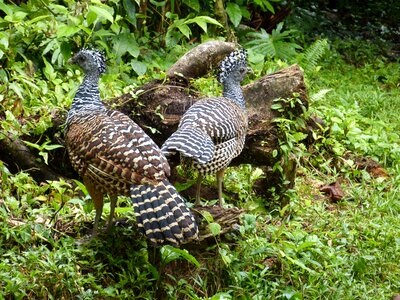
125 42
130 9
102 12
184 29
169 253
234 12
273 45
139 67
7 9
202 22
4 43
67 30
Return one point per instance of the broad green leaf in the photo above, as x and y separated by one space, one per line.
33 145
103 12
130 9
8 9
125 42
3 75
65 49
16 88
169 253
207 216
91 17
50 46
202 24
306 245
81 186
204 19
49 70
225 257
4 40
234 13
139 67
245 12
300 264
221 296
45 156
16 17
67 30
269 7
37 19
215 228
52 147
60 9
185 30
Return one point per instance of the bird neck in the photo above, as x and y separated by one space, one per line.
88 93
233 91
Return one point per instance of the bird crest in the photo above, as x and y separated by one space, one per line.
234 60
89 56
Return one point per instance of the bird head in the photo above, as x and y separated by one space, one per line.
234 66
89 60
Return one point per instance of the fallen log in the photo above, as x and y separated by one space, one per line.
19 157
158 106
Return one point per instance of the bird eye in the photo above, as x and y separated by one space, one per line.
242 70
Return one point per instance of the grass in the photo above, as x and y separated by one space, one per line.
312 248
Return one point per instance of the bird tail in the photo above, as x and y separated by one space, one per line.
162 215
190 142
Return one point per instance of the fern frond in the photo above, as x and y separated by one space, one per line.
320 95
313 54
274 45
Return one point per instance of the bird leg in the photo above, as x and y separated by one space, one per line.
97 198
98 205
113 202
198 190
220 179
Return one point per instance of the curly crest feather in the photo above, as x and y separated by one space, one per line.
89 59
233 61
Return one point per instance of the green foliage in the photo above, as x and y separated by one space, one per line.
169 254
179 28
363 121
310 58
310 248
291 135
274 45
238 10
43 148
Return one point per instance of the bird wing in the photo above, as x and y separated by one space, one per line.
113 146
219 117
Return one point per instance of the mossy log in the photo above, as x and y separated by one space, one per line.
160 104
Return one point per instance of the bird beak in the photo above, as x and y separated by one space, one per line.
250 70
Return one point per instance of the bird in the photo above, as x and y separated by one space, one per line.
212 131
114 156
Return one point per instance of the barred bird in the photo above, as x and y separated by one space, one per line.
114 156
212 131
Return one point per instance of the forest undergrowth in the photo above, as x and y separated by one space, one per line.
337 238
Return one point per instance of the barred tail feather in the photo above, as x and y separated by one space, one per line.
190 142
162 214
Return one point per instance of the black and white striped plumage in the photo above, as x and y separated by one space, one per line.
114 156
212 132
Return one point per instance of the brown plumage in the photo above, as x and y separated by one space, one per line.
114 156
